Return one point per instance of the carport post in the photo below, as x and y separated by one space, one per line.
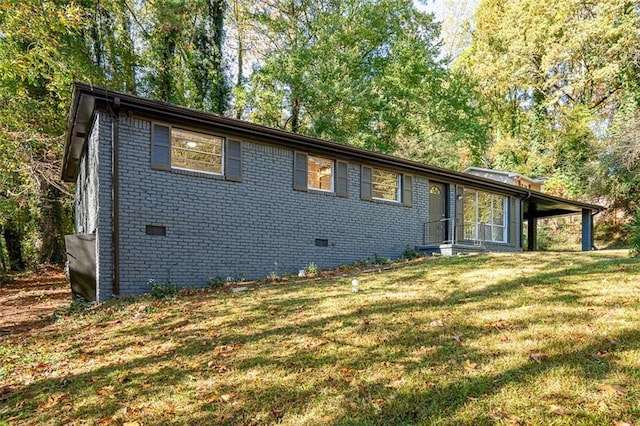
532 234
587 230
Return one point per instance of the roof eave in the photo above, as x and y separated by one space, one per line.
80 114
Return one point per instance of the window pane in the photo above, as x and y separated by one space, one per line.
469 231
484 207
385 185
196 151
320 173
484 220
469 205
498 210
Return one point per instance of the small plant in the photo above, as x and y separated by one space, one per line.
162 291
216 282
6 279
380 260
78 305
311 269
273 275
410 254
633 229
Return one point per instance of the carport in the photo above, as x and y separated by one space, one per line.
537 206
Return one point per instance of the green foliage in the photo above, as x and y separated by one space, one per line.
216 282
311 269
551 92
633 229
331 72
410 254
162 290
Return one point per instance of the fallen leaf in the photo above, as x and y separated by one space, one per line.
613 389
468 365
52 401
561 411
106 421
436 323
396 382
600 355
457 337
500 414
107 391
622 423
131 424
538 357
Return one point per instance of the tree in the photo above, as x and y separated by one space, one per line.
543 81
364 73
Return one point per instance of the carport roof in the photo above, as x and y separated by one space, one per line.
539 205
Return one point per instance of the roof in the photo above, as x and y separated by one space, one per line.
500 172
87 98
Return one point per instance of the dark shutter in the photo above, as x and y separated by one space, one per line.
161 147
342 179
512 220
459 225
233 160
407 190
300 171
365 183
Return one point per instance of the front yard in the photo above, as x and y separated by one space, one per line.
534 338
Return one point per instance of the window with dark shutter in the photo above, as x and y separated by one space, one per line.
407 190
365 183
161 147
342 179
300 171
233 160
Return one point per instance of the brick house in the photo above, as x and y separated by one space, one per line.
168 192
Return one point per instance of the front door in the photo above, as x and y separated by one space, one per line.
437 213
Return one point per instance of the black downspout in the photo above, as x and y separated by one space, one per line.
115 195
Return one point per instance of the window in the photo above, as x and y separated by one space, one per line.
385 185
484 216
179 149
196 151
320 173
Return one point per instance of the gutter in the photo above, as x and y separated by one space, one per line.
154 110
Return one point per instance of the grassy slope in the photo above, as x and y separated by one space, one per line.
538 338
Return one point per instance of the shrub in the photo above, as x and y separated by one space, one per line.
216 282
311 269
633 229
410 254
162 291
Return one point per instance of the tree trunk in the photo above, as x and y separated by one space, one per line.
3 263
295 114
12 236
51 225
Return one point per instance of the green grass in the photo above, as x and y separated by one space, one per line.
534 338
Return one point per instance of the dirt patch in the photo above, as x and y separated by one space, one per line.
29 301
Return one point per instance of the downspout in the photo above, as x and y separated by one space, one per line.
115 194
